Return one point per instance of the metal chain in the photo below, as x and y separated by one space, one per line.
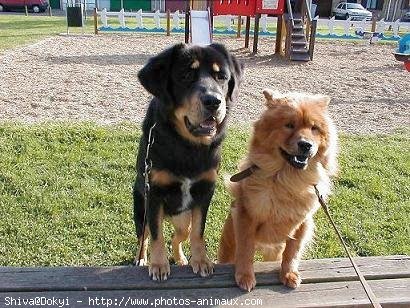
147 171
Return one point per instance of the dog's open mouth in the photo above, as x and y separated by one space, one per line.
297 161
206 128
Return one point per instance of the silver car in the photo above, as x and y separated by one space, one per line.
354 10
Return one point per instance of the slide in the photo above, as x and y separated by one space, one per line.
403 52
201 32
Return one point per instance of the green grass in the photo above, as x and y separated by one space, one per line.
65 195
16 30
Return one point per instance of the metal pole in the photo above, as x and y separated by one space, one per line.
395 11
388 10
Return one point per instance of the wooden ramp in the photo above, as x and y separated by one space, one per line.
326 283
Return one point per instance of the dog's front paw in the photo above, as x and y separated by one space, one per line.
159 271
291 279
202 266
140 262
245 280
182 260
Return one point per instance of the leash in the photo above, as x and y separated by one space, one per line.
369 292
147 171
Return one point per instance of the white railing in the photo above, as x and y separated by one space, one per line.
139 15
325 26
363 26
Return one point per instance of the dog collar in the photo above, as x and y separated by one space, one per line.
244 174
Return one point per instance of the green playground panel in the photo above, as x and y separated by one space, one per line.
134 5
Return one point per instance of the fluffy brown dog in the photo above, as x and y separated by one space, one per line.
294 147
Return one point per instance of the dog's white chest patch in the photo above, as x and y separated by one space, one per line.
186 193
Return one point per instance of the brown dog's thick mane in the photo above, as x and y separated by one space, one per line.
303 110
294 147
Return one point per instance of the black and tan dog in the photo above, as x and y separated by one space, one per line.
193 88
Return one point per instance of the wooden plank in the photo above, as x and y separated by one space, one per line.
279 33
256 33
103 278
247 30
187 17
95 14
312 38
238 31
168 23
390 292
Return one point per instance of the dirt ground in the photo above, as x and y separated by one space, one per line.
93 78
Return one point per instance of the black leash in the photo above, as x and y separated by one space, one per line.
369 292
147 171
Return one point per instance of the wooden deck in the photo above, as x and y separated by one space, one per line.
326 283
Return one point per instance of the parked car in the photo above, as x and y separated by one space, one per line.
406 17
354 10
35 6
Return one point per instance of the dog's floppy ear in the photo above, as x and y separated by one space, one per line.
236 68
154 76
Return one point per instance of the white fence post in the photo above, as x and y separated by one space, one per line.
381 26
331 25
346 26
264 23
157 19
139 19
176 20
396 27
104 18
121 18
361 26
228 22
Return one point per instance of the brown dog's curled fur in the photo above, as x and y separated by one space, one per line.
294 144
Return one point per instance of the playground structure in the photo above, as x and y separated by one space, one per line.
198 22
403 51
299 28
297 32
253 8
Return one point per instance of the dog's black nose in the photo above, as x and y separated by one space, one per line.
211 102
304 146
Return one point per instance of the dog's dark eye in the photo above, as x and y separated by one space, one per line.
315 128
221 76
188 76
290 126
